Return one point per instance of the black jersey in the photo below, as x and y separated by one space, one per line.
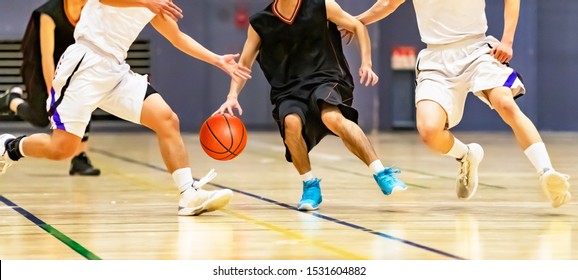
297 55
31 69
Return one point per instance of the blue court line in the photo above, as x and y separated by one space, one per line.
321 216
51 230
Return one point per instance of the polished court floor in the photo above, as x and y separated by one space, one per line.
129 212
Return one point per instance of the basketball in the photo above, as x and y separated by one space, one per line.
223 136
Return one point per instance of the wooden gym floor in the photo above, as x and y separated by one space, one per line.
129 212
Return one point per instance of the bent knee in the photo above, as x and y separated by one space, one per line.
167 122
428 131
292 126
506 106
61 153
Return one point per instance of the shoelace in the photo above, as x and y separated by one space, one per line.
4 166
464 171
389 176
207 178
4 163
309 192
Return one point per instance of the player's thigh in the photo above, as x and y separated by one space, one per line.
127 99
158 115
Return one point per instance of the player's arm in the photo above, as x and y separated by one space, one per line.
504 51
160 7
170 30
338 16
379 10
47 42
248 56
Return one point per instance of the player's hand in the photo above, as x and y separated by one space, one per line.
367 76
165 8
346 35
228 64
502 52
228 106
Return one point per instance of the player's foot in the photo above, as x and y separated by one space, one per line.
311 197
556 187
388 182
195 201
5 160
7 96
81 165
467 182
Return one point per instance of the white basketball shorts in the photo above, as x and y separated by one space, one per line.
447 73
87 79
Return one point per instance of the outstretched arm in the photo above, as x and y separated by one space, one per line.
336 15
379 10
504 51
248 56
170 30
159 7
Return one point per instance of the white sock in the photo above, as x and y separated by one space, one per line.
376 166
458 150
20 147
539 157
307 176
183 178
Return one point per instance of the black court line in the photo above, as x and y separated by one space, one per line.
321 216
51 230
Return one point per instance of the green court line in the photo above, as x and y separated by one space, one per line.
51 230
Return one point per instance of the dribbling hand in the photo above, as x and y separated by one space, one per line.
228 106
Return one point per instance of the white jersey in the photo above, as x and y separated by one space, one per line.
111 29
449 21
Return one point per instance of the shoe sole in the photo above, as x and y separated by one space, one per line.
396 189
474 167
307 207
219 201
555 185
92 173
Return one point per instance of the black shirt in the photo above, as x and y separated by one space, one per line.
298 56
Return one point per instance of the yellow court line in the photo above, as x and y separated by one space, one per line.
297 236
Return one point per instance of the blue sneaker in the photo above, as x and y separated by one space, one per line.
388 182
311 197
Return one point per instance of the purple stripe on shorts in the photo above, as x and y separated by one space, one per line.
55 116
511 79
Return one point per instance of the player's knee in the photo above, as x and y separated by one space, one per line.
507 107
293 127
62 153
167 122
332 120
428 131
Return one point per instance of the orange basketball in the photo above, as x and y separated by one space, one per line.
223 137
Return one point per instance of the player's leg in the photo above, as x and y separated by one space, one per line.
555 185
159 117
58 146
80 163
295 143
71 104
432 121
357 142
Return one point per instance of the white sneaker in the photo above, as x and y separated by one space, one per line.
196 201
5 160
556 187
467 182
